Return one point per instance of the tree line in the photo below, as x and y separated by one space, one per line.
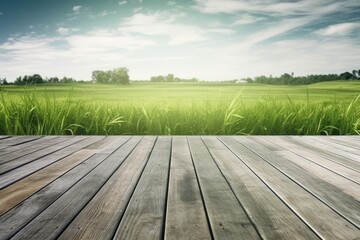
121 76
290 79
115 76
171 78
37 79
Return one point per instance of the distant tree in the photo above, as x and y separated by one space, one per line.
355 72
100 76
67 80
3 81
35 79
116 76
169 78
346 76
120 76
18 81
53 80
157 79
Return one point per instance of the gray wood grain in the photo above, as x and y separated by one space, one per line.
54 219
185 218
272 218
99 218
228 220
25 170
313 211
144 215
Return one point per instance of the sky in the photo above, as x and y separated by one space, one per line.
205 39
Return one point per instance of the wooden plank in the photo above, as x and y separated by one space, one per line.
345 141
26 145
17 140
30 147
336 145
227 218
3 137
106 142
185 217
54 219
99 218
12 221
352 159
339 193
19 191
16 174
324 153
313 212
272 218
144 215
9 165
336 168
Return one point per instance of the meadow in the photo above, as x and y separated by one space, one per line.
331 108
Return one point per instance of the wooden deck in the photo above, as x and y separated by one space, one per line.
257 187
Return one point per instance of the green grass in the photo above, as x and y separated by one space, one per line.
181 109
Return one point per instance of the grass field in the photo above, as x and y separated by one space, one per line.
181 109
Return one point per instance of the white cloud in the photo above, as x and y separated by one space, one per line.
122 2
280 27
340 29
222 30
136 10
304 56
171 3
163 24
298 8
66 31
247 19
77 8
106 41
103 13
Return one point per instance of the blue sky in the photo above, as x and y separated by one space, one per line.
206 39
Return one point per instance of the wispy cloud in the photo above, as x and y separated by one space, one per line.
122 2
77 8
106 41
1 13
294 8
340 29
247 19
66 31
171 3
163 24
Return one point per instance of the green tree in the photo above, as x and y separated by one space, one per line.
101 76
169 78
120 76
35 79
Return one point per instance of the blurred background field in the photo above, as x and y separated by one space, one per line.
181 109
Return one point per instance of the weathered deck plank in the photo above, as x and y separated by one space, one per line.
143 217
314 212
123 187
337 192
273 221
99 218
52 221
227 218
278 144
186 217
24 170
13 220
